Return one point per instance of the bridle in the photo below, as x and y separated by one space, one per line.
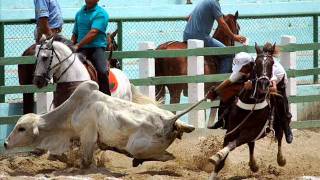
264 75
54 53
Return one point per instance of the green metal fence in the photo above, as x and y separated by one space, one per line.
17 35
179 79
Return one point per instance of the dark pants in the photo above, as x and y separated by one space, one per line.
281 87
98 58
225 64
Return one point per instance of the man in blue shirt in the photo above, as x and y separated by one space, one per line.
89 37
200 24
48 17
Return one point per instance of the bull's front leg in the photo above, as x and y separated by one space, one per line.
85 123
88 138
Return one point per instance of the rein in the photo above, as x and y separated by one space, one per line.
261 105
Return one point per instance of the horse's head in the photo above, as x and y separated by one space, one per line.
49 55
263 69
232 22
112 46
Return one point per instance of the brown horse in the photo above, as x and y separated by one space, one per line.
250 116
178 66
25 71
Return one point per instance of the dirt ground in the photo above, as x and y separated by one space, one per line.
192 152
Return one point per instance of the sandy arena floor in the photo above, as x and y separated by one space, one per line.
303 159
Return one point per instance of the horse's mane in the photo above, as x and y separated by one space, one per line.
69 43
65 41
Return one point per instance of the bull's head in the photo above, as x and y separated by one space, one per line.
24 133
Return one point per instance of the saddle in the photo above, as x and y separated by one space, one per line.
91 70
89 66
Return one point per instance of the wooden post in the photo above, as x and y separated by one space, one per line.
196 90
43 102
147 69
288 60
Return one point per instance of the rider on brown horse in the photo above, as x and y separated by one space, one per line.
241 71
200 24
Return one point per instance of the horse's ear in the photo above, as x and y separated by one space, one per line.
236 15
43 38
274 47
258 49
114 34
50 41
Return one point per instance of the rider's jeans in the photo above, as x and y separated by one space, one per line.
98 58
225 64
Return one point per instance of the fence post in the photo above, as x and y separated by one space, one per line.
120 40
288 60
315 52
2 73
196 90
147 69
43 102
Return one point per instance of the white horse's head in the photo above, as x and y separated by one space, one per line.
50 55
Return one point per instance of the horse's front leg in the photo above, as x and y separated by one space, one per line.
252 162
280 158
219 158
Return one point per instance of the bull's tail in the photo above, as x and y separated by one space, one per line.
139 98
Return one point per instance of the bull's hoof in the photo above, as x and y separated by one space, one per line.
215 159
136 162
85 164
62 158
281 161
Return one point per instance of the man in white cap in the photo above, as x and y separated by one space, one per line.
278 82
239 61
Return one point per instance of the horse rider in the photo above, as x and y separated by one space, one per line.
278 82
200 24
279 75
48 18
89 38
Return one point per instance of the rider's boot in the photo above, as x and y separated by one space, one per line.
104 83
287 128
221 113
222 106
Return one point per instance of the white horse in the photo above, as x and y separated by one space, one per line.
58 61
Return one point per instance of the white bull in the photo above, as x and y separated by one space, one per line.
141 131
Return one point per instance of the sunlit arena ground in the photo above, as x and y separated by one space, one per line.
192 152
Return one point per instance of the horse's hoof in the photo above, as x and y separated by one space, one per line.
136 162
215 159
281 162
213 176
253 166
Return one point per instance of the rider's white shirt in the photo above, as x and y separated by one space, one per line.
278 72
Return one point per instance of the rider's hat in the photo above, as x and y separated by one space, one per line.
241 59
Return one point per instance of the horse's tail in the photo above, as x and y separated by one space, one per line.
139 98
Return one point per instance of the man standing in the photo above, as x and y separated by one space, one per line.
200 24
89 37
48 18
